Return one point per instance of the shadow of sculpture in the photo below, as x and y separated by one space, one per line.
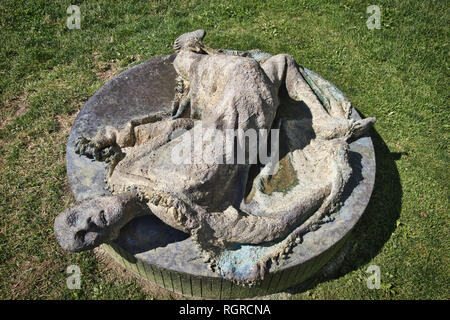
148 232
374 228
354 159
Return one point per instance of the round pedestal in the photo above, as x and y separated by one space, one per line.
167 256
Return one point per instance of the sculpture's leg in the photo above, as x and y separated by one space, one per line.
89 223
282 68
228 226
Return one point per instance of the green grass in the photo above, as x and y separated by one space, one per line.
398 74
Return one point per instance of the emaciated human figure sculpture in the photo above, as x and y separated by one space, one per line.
220 204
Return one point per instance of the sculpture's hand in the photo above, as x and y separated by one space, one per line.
182 107
86 147
90 149
111 154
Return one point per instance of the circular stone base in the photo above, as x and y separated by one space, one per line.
168 257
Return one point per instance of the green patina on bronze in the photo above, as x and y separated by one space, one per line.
283 181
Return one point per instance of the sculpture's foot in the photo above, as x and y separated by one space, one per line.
340 128
184 38
360 127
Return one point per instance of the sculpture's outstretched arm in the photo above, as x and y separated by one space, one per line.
106 144
122 136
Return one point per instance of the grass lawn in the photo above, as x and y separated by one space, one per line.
398 73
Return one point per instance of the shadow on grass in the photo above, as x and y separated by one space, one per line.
375 226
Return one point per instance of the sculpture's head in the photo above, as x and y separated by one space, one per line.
89 223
